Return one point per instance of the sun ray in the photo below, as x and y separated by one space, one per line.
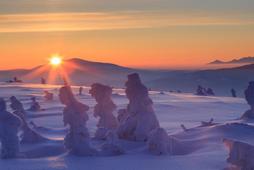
39 71
58 70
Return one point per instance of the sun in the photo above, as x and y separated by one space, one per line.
55 60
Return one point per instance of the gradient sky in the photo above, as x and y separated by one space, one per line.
140 33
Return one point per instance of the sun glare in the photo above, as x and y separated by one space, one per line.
55 60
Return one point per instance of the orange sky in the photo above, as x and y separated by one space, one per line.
151 37
163 47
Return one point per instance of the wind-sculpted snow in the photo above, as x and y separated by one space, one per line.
196 148
240 154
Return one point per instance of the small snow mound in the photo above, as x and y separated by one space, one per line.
240 154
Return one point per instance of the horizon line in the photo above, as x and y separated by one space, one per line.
205 66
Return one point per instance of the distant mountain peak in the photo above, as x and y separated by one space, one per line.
216 62
83 61
243 60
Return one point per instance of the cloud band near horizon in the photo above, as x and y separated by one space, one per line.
49 22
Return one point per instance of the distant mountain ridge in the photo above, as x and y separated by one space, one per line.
81 72
244 60
220 80
88 72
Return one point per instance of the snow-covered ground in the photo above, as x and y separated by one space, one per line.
205 148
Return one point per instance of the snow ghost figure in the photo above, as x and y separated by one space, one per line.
103 109
28 135
141 117
80 90
210 92
43 81
249 96
77 141
233 92
48 96
35 106
200 91
158 142
17 106
9 125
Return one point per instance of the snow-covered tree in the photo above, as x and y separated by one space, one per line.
9 124
249 96
103 109
141 117
35 106
77 141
